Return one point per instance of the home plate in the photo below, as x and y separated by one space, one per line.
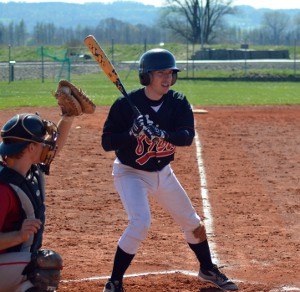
200 111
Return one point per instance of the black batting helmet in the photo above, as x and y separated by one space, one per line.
19 131
154 60
23 129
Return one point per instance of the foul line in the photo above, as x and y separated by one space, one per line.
184 272
205 199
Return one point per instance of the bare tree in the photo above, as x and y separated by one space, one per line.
275 23
195 20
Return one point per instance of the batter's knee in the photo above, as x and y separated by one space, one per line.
196 235
134 234
140 227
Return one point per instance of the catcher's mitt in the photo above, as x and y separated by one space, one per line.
72 100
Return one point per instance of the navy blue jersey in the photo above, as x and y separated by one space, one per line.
175 116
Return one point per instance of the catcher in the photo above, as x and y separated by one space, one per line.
29 145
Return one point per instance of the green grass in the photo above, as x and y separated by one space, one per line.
118 52
125 52
199 92
240 93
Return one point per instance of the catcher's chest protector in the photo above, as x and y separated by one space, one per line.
30 194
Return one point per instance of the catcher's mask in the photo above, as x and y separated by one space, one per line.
26 128
155 60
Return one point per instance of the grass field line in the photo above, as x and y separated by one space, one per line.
95 278
190 273
205 199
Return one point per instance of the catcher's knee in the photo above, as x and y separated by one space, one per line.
44 270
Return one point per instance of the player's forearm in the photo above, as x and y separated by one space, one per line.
64 126
184 137
10 239
112 142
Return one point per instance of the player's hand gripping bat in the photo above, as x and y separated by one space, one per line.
108 68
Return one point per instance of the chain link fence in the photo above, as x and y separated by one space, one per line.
71 66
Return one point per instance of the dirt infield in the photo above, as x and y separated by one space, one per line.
251 157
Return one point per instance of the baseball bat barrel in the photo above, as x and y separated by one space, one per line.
108 68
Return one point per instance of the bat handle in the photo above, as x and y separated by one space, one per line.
134 107
136 110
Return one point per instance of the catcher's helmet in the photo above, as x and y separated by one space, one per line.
21 130
154 60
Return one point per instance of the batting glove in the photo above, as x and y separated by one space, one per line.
137 126
153 132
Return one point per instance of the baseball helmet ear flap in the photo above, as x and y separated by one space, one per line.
174 77
145 78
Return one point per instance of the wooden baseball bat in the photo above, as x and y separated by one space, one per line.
108 68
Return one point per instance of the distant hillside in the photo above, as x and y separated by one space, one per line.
249 17
72 15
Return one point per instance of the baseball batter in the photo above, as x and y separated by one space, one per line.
144 147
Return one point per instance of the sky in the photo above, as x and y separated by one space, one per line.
273 4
